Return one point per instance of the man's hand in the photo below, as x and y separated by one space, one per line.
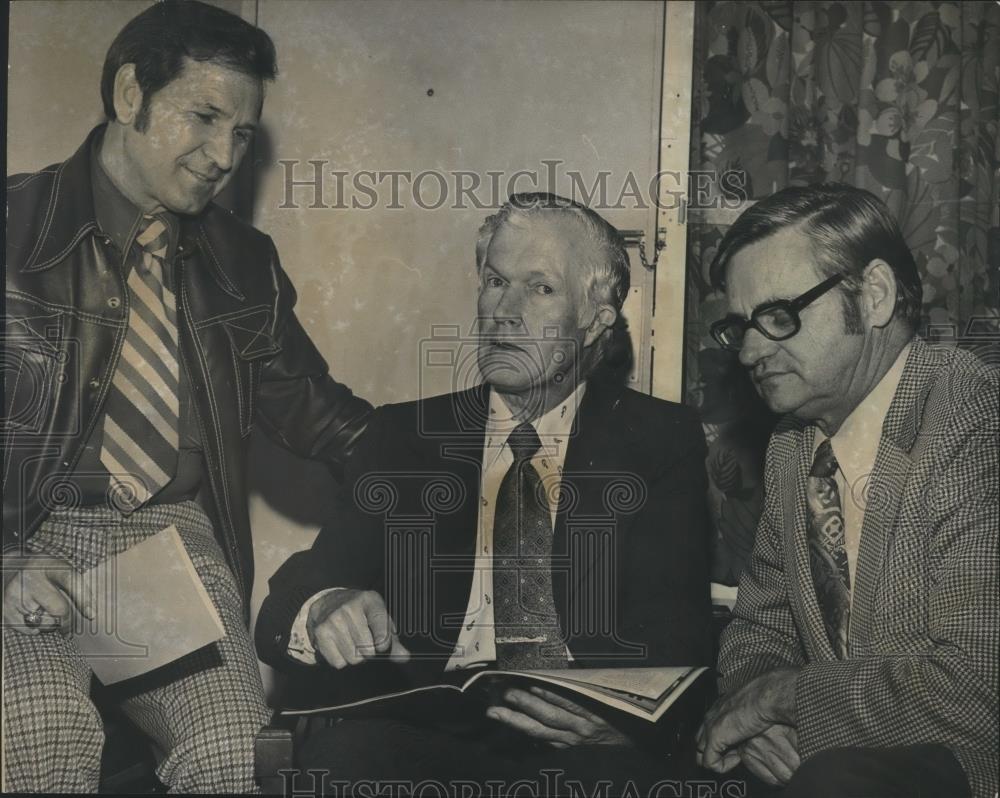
554 719
744 714
773 754
46 583
350 626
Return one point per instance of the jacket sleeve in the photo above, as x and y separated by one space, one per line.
944 688
347 552
762 635
300 406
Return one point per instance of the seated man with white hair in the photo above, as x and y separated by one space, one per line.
548 462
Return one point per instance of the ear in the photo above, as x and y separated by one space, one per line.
127 95
603 319
878 293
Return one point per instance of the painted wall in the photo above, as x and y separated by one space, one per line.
379 86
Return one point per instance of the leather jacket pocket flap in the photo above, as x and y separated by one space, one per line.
32 358
252 343
37 334
250 335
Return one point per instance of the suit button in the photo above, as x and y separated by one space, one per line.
114 302
94 383
278 638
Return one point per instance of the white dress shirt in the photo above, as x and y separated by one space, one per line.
855 445
476 644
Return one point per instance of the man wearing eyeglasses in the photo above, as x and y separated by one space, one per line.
861 660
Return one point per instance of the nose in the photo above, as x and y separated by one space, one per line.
508 308
755 347
220 148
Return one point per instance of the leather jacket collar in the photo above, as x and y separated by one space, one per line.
70 211
70 218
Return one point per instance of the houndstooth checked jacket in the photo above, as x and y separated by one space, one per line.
924 621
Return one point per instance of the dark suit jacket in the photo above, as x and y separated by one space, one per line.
924 619
630 570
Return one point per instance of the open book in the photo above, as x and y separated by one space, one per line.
645 693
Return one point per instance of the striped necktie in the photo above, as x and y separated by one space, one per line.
139 448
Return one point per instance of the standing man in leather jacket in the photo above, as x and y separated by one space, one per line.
147 330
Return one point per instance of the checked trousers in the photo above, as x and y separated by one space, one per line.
202 712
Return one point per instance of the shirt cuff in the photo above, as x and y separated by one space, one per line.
300 647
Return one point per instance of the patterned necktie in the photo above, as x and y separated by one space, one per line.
139 448
525 621
827 553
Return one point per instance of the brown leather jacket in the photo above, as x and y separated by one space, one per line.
246 356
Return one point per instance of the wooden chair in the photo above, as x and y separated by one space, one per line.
273 755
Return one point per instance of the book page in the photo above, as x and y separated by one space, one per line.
644 682
662 685
151 609
671 683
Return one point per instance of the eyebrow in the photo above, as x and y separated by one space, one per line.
216 110
533 274
767 301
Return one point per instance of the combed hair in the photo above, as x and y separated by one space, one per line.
608 281
848 226
159 39
608 278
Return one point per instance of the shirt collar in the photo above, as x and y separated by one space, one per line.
855 444
116 215
553 428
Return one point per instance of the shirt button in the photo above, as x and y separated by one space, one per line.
114 302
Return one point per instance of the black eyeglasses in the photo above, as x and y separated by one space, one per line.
778 320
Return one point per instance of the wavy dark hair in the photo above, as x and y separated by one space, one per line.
848 226
159 39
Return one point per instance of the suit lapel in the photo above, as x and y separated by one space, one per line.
883 495
574 494
590 450
601 471
885 488
451 441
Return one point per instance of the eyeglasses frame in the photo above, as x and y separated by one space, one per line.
791 306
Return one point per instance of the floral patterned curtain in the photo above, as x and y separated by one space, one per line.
900 98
